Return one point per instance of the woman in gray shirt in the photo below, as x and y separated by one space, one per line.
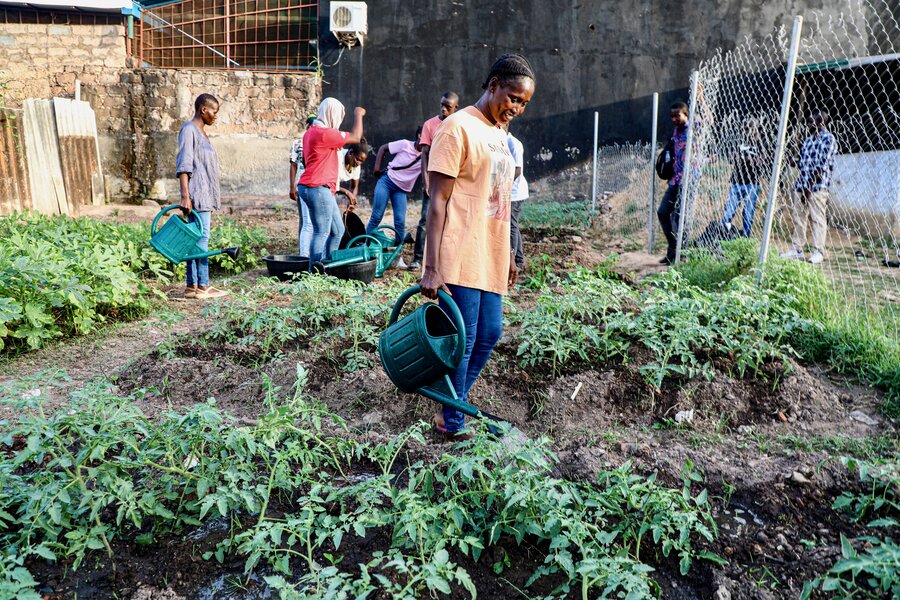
197 168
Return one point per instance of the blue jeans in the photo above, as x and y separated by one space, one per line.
386 189
746 194
327 225
198 268
482 314
669 213
305 228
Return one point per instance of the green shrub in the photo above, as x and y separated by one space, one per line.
710 272
554 217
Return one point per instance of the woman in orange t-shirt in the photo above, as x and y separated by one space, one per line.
467 251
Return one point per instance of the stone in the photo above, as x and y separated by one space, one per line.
59 30
861 417
745 430
684 416
576 239
798 478
722 593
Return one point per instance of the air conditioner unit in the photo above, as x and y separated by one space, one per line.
348 21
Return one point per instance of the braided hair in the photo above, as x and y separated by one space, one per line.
509 67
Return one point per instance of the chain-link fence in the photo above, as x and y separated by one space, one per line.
624 176
836 201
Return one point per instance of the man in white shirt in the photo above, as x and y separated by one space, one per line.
519 195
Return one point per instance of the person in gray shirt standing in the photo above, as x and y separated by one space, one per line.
197 169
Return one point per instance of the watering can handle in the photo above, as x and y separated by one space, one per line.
361 238
396 233
191 219
454 314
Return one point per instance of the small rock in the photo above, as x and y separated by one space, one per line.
860 416
729 551
722 593
781 540
762 537
745 430
148 202
757 549
799 478
576 239
629 448
684 416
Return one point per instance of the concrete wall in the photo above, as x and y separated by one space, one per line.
139 111
588 55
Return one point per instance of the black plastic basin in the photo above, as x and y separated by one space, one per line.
284 266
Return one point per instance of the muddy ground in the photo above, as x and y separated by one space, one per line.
756 443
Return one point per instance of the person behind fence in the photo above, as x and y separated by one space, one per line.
810 197
304 230
519 195
321 144
468 253
197 169
669 207
394 185
449 104
350 161
748 169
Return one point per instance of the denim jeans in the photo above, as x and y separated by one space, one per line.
741 194
482 314
668 213
419 251
198 268
305 228
327 225
386 190
515 234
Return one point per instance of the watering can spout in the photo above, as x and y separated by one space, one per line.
232 252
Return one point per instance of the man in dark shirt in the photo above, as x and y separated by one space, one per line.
668 211
748 168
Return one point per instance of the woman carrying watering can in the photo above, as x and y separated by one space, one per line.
321 144
468 252
197 168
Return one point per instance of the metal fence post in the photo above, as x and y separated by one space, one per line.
775 178
594 176
682 204
651 221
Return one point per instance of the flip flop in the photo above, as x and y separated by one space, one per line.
210 292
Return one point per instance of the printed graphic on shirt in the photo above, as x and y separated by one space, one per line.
502 172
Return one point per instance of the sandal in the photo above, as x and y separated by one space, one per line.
190 291
210 292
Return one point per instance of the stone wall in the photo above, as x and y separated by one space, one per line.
139 110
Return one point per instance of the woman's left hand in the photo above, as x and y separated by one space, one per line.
513 272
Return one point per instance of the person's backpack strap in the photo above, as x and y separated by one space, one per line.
406 166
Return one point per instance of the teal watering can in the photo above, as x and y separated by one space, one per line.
177 239
420 350
385 254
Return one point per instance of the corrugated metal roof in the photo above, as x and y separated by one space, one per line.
48 192
113 6
76 128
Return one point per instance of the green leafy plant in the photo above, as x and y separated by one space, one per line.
873 573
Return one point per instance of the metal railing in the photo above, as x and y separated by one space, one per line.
263 35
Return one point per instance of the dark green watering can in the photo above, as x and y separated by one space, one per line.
177 239
420 350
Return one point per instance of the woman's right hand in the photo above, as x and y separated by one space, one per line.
359 111
432 281
185 204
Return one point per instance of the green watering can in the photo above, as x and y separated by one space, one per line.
385 254
419 351
177 239
353 255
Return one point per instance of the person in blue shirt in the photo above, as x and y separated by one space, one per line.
810 197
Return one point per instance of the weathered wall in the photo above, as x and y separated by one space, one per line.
588 55
139 111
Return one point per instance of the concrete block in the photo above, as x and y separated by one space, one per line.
114 62
260 104
59 30
7 40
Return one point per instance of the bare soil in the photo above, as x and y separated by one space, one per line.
599 415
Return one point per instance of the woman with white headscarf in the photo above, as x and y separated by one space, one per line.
321 144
